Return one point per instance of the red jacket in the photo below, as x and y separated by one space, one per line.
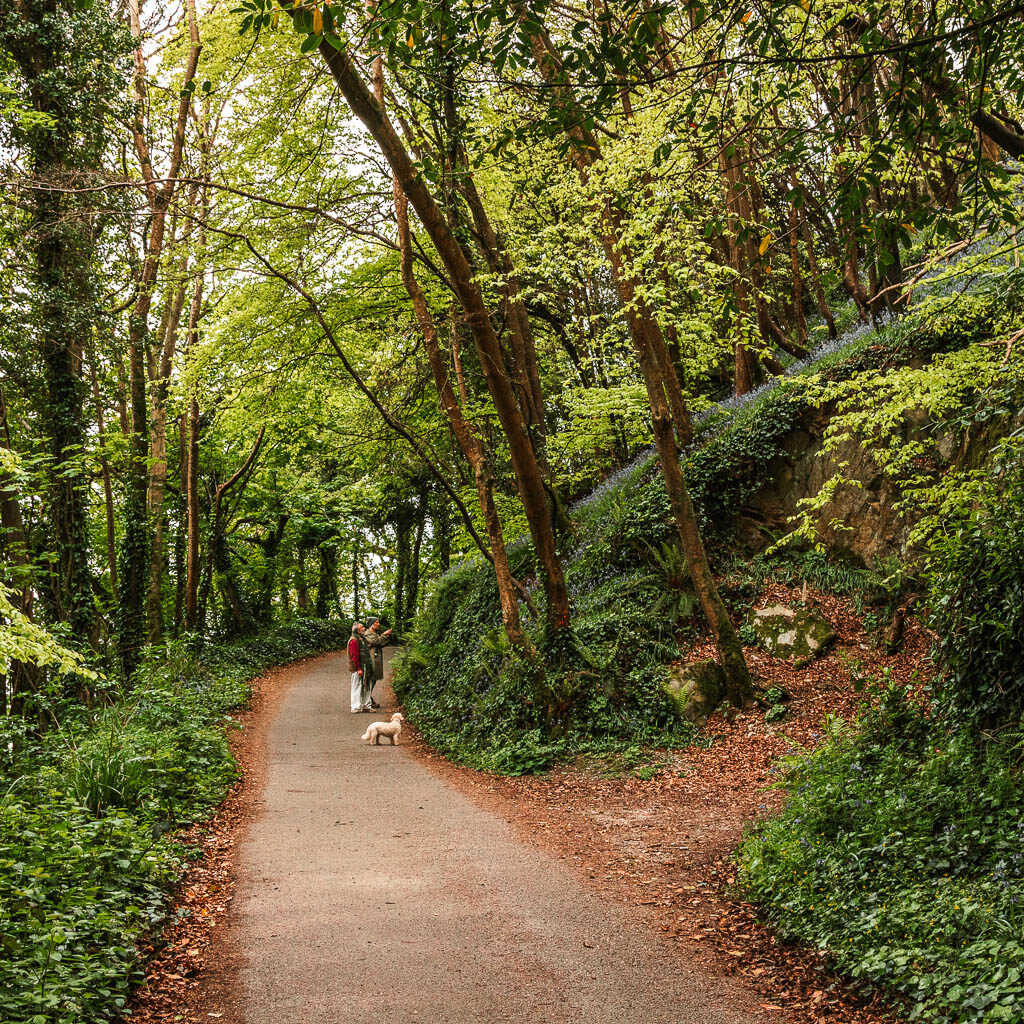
353 655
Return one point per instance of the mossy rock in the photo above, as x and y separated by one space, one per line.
696 689
797 635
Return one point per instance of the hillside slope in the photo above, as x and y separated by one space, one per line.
855 440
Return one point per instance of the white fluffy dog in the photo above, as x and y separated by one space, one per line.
391 729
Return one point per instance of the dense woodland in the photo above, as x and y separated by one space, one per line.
509 323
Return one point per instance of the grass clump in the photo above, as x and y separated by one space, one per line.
88 812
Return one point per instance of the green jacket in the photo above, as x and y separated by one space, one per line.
366 659
376 644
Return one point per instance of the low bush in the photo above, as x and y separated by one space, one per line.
479 704
976 594
941 324
87 817
900 852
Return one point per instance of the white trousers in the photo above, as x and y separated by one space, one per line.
360 699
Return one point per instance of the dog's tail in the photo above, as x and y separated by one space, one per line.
366 735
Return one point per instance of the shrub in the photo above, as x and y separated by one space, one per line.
724 473
899 852
77 891
945 324
976 597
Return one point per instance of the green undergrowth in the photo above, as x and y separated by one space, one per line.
900 853
479 704
88 813
900 849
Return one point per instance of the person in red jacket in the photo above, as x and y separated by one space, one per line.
360 700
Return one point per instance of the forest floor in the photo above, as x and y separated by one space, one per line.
342 882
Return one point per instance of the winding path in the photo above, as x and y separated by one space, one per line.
368 890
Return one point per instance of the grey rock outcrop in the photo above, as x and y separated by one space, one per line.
861 521
797 635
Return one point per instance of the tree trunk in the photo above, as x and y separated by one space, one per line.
744 372
301 585
526 368
192 503
413 584
730 652
62 289
240 620
191 469
355 583
529 476
108 492
160 386
327 587
271 547
181 533
404 551
585 151
816 285
798 282
442 532
466 436
285 596
851 278
136 545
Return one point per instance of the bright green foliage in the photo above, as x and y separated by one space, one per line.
475 703
25 641
87 859
710 205
913 418
676 601
899 852
76 892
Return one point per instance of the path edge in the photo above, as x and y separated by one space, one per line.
183 983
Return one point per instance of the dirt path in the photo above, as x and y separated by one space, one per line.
368 890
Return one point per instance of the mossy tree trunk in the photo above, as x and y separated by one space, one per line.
45 38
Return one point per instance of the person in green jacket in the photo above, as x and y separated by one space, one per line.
376 641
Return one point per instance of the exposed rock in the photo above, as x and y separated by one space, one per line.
697 689
861 521
798 635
